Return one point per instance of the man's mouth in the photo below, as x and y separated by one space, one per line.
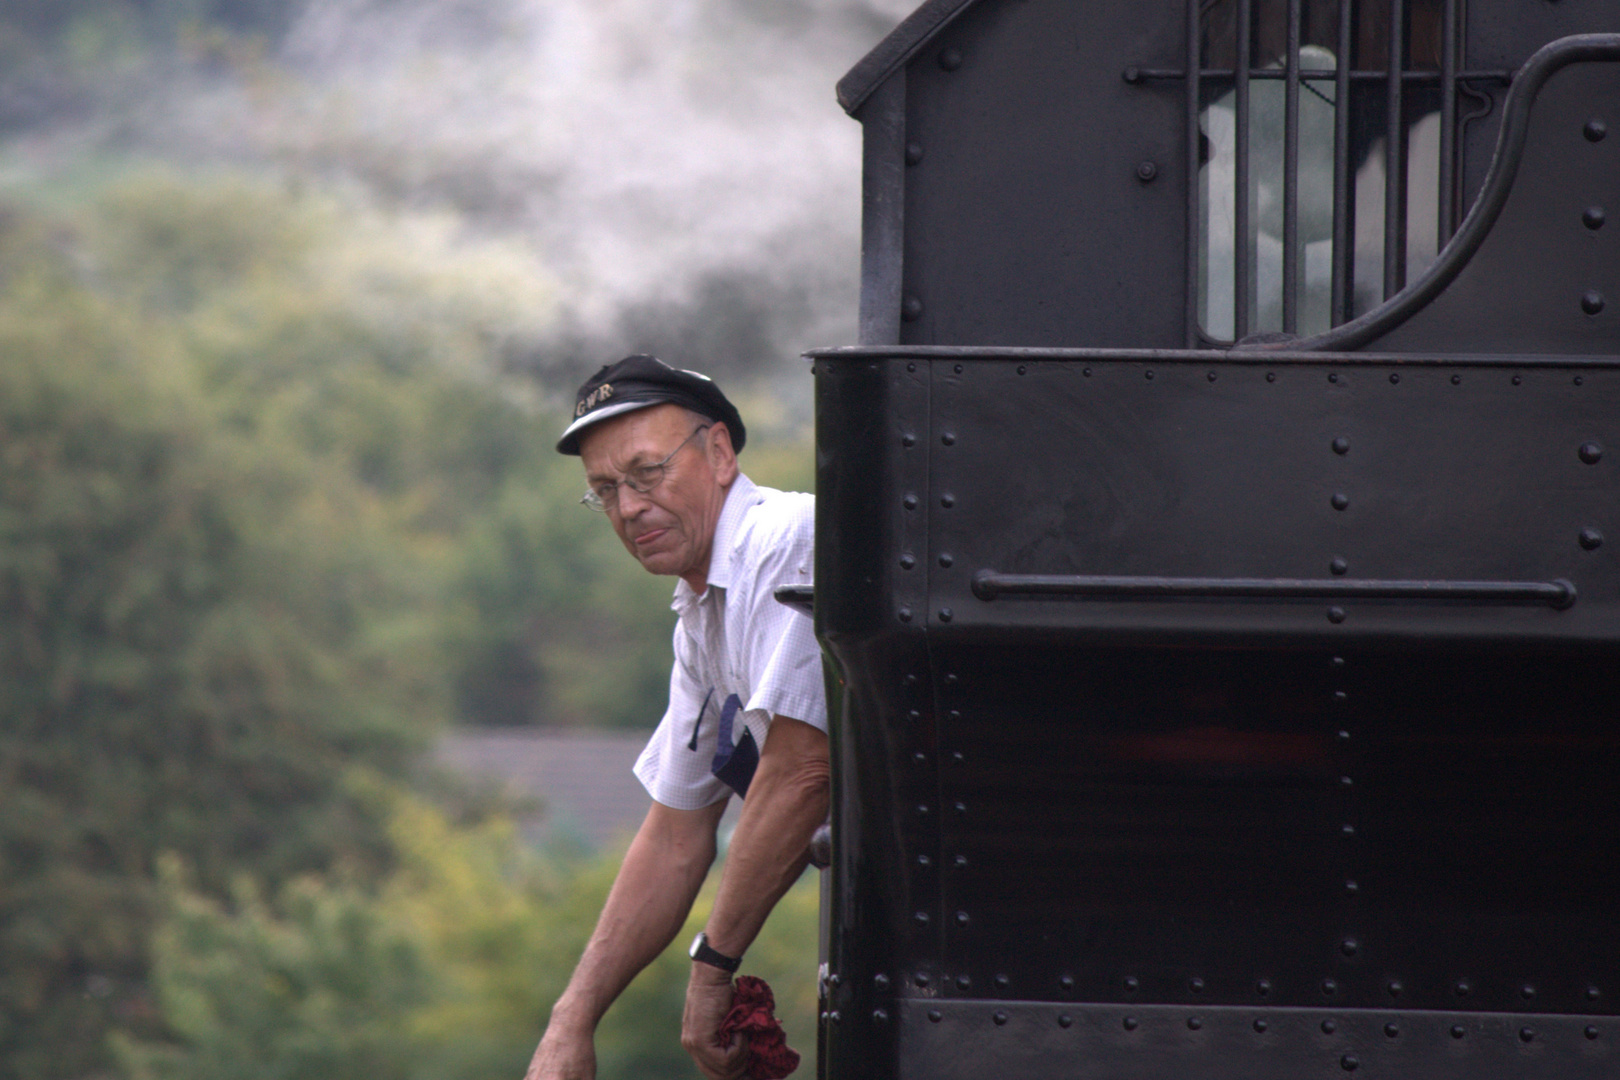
648 537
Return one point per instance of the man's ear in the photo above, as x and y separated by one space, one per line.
721 455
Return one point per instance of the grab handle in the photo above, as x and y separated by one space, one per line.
989 585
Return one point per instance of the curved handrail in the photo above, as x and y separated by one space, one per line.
1527 83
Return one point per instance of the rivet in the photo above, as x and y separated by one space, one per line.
909 502
1591 539
1526 1034
905 614
1392 1029
1347 830
1349 946
1340 501
1341 445
1351 887
908 439
1335 614
922 808
924 860
1456 380
1594 130
1457 1031
1394 987
1263 987
1591 452
911 309
834 1016
1066 982
1129 1023
921 918
933 1016
920 758
1592 302
1330 987
1260 1026
1394 377
1345 781
950 59
946 561
1338 661
1349 1062
945 614
960 861
1527 991
1517 379
949 438
910 680
1333 376
1329 1026
914 153
1146 171
1132 984
1340 697
947 500
1001 982
911 366
961 807
961 918
824 1016
963 982
958 369
914 715
1194 1023
879 1016
1132 74
921 979
1148 374
1211 376
1593 993
881 981
956 757
907 561
1593 218
950 678
1064 1020
1086 372
1591 1032
954 715
1463 988
1196 985
1578 380
1271 376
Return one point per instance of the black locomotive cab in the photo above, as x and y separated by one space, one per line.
1218 545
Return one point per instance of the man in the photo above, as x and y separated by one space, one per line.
746 714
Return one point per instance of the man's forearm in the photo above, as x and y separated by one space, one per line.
650 899
787 800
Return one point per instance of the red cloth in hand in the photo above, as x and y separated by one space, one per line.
753 1013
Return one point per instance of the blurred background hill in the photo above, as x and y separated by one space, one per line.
292 294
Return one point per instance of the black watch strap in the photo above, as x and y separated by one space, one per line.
704 953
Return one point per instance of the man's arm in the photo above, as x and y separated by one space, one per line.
787 800
650 899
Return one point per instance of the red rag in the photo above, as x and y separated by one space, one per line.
753 1013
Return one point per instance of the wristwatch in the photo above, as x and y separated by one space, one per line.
704 954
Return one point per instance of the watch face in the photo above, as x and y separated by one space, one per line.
697 943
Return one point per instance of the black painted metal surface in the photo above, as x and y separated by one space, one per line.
1214 712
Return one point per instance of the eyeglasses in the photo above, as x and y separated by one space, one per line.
640 479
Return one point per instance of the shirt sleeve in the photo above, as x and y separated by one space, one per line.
674 766
783 657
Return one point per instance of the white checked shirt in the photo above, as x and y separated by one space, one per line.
737 639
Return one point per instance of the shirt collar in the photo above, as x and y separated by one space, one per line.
740 498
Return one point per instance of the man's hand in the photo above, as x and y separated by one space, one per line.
563 1056
708 999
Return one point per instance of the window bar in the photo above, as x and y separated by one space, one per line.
1395 158
1344 193
1448 123
1290 238
1242 250
1195 238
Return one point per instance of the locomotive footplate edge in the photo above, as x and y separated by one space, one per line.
942 1040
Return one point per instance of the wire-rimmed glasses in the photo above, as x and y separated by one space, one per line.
641 478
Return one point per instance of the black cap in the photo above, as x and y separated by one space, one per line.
637 382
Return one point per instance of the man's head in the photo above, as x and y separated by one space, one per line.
660 467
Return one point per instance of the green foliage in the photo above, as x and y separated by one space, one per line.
445 972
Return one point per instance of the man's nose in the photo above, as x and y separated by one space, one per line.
631 501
